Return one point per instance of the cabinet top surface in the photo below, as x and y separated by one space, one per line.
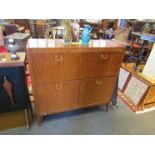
5 60
59 43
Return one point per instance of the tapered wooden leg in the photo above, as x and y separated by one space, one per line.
38 120
27 118
44 117
142 106
106 107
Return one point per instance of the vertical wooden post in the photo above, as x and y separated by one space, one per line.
27 118
1 37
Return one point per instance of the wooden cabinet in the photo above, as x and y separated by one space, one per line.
66 77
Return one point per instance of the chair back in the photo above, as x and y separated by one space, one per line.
41 26
138 26
10 29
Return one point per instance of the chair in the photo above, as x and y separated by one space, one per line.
139 26
10 29
41 31
41 28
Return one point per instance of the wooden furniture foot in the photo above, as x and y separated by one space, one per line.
27 118
106 107
44 117
142 106
38 120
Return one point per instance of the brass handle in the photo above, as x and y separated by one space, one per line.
104 56
99 82
59 86
58 58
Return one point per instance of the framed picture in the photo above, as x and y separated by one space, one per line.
136 89
124 76
122 34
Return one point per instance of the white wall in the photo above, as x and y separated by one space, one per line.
149 69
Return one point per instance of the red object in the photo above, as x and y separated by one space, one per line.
3 49
28 80
135 45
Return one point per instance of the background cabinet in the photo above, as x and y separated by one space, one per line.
14 98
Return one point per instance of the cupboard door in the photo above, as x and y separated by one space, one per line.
57 96
96 91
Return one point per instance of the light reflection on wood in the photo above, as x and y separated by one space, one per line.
7 85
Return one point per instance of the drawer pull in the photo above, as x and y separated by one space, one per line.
58 58
98 82
104 56
59 86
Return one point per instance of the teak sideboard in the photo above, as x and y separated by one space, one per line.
66 77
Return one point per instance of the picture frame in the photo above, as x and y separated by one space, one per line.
123 79
136 89
122 34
